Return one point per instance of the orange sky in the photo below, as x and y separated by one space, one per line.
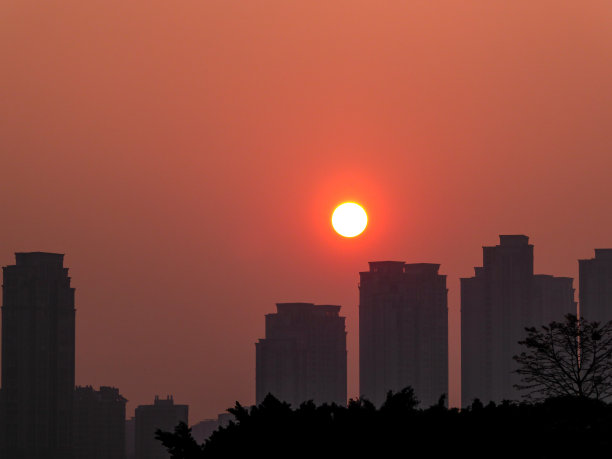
186 156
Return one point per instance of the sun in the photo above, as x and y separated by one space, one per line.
349 219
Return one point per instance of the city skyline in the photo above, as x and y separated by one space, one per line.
403 342
187 160
546 295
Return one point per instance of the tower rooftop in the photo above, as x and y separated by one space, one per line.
39 258
603 254
513 239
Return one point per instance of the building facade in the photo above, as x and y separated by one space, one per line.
303 356
596 286
497 303
164 415
99 423
553 298
38 353
130 438
403 331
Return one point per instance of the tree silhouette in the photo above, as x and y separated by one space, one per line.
558 427
571 358
180 444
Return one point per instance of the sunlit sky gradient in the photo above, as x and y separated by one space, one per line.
187 156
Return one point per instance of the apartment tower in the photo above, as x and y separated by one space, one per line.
38 325
403 331
497 303
303 356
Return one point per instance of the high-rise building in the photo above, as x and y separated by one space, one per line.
403 331
503 298
596 286
38 325
99 423
164 415
303 356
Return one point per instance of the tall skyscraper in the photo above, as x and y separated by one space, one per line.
164 415
503 298
596 286
38 324
99 423
403 331
303 356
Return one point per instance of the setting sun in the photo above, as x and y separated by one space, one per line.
349 219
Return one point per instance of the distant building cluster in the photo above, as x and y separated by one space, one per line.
42 414
403 328
403 341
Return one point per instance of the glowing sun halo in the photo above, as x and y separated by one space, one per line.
349 219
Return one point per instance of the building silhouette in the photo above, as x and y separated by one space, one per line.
403 331
596 286
303 356
164 415
204 429
38 325
99 423
497 303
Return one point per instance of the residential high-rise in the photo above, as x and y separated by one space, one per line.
503 298
99 423
596 286
403 331
164 415
38 325
303 356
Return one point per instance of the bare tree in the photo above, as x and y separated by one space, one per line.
570 358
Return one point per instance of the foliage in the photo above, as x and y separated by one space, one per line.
557 427
573 358
180 444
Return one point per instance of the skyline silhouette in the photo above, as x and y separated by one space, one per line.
302 359
544 298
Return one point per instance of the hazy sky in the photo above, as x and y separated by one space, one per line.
186 156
